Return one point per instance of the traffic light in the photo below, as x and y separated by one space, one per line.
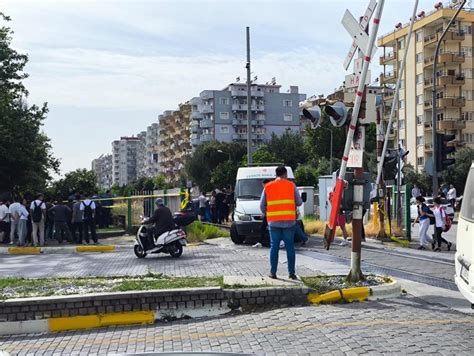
314 115
337 113
443 150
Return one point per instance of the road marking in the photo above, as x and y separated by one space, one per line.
95 248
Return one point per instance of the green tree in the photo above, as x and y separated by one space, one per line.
306 175
160 182
207 157
25 152
80 180
422 179
224 174
318 142
288 148
457 173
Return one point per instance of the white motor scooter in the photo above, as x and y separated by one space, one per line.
171 242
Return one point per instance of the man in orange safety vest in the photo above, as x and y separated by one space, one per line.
278 202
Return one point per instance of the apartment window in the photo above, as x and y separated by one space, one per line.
401 123
224 101
419 57
224 116
401 44
224 129
440 116
467 51
287 103
467 72
466 29
419 79
419 36
467 94
419 120
401 104
260 116
287 117
419 100
420 140
420 161
467 116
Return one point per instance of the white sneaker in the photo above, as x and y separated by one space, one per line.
282 244
343 243
257 245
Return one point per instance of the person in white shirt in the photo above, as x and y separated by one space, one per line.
22 224
4 220
38 217
440 222
14 219
88 219
415 192
202 206
452 195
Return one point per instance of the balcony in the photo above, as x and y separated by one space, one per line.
388 95
432 39
388 58
241 122
195 127
243 107
451 124
206 124
243 93
239 136
428 147
206 137
446 58
451 79
389 77
207 109
447 102
196 115
428 125
195 141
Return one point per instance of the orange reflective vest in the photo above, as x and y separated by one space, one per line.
281 205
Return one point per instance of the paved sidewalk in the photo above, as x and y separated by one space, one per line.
401 326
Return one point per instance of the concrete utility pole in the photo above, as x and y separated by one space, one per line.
249 103
434 100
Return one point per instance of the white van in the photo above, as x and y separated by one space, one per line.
248 190
464 259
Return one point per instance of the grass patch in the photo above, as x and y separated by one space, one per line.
197 231
402 242
324 284
42 287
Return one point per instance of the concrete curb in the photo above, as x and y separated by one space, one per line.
65 249
390 290
79 312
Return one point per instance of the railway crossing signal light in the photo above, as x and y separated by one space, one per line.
443 150
337 113
314 115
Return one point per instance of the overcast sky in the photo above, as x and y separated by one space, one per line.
108 68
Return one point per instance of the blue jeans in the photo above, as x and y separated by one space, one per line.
300 233
286 235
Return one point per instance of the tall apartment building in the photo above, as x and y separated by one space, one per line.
102 167
148 152
124 160
455 105
222 114
174 141
141 155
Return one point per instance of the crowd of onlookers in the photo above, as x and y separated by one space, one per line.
36 221
218 207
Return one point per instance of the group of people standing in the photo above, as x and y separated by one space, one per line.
218 207
32 222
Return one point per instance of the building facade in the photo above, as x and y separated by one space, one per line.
455 84
124 160
174 142
222 114
102 167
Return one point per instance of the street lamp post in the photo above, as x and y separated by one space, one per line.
228 153
330 162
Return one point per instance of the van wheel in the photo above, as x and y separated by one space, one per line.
234 235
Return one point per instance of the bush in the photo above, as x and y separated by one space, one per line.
198 231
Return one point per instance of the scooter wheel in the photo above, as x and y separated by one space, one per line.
139 252
176 250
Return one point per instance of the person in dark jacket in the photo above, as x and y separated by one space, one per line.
61 215
162 218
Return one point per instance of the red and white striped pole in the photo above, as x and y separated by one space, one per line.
336 197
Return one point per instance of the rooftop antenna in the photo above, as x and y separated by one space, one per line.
237 79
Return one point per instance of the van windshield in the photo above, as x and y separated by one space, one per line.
250 189
467 208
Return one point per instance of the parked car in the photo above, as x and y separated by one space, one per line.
429 201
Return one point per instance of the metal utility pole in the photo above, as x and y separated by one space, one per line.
381 186
367 43
434 99
249 103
